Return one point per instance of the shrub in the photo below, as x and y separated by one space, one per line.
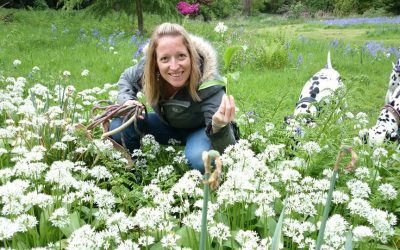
296 10
274 56
345 7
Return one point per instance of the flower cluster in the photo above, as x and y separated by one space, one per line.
188 9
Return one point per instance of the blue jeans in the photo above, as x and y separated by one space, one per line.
195 140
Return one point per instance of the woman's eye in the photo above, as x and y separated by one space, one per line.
163 59
182 56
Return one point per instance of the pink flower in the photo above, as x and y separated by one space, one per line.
188 9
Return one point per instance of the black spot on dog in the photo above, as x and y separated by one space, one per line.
303 106
315 78
315 83
313 95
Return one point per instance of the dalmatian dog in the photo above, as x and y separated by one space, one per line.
387 125
316 90
394 81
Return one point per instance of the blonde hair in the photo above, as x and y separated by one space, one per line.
152 87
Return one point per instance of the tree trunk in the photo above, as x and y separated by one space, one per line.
246 7
139 13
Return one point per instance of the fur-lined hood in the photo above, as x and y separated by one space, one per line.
208 55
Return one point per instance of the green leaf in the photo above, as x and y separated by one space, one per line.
271 224
73 225
383 247
276 239
228 55
207 84
157 246
231 243
327 208
185 238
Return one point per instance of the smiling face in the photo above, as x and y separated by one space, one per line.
173 60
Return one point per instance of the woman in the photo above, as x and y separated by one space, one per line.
175 76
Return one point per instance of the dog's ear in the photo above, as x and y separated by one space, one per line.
394 137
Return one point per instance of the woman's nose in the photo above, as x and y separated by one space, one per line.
174 64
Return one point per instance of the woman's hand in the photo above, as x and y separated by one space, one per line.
134 102
225 113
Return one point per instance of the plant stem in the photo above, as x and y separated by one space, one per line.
203 235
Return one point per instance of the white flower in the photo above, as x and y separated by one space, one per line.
358 188
60 173
311 147
85 73
66 73
128 245
220 231
82 238
148 218
146 240
59 218
193 220
169 240
100 172
362 173
59 146
123 222
25 222
150 191
221 28
388 191
248 239
35 69
7 228
360 232
339 197
349 115
269 127
336 226
359 207
17 62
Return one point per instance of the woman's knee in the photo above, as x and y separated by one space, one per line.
195 160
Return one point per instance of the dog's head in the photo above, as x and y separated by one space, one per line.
387 125
394 82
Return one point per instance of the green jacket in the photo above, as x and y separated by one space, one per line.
181 111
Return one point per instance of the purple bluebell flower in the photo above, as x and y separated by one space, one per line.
374 48
363 20
95 33
299 61
334 43
111 41
133 39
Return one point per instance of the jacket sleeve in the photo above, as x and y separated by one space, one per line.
129 83
225 136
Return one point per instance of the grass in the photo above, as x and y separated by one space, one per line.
59 41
